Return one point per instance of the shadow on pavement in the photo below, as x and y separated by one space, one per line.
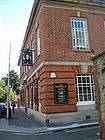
18 119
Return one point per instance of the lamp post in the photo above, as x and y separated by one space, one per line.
8 86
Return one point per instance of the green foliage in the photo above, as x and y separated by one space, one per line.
2 90
14 86
14 81
12 95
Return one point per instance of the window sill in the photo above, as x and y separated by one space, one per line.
81 50
85 103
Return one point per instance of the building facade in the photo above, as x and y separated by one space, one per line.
63 36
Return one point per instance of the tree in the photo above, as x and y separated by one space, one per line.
12 95
14 81
14 86
3 94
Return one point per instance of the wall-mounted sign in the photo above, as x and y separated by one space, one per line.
27 59
61 93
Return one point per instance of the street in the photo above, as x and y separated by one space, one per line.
87 133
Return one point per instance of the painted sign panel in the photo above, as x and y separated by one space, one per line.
61 93
27 59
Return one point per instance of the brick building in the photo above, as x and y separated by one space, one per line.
63 35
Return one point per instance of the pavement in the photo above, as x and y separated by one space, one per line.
22 123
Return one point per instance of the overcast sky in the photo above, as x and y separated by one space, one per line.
14 16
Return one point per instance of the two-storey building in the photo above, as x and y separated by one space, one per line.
63 36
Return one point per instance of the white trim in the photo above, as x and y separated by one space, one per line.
85 103
59 63
81 84
35 71
70 6
67 63
80 41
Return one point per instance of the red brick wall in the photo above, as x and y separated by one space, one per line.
64 74
56 36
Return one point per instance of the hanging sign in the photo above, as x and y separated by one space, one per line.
27 59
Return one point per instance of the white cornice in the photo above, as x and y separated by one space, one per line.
57 63
76 5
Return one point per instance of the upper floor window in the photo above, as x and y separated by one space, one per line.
79 33
37 42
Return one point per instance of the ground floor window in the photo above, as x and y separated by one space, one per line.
84 88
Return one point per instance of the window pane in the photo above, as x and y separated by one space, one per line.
84 79
85 97
80 90
89 97
79 79
88 80
78 42
84 90
75 24
76 34
92 89
89 89
81 24
80 98
93 97
72 24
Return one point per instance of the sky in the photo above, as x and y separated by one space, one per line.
14 16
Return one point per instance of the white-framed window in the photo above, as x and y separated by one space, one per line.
79 33
85 88
37 43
